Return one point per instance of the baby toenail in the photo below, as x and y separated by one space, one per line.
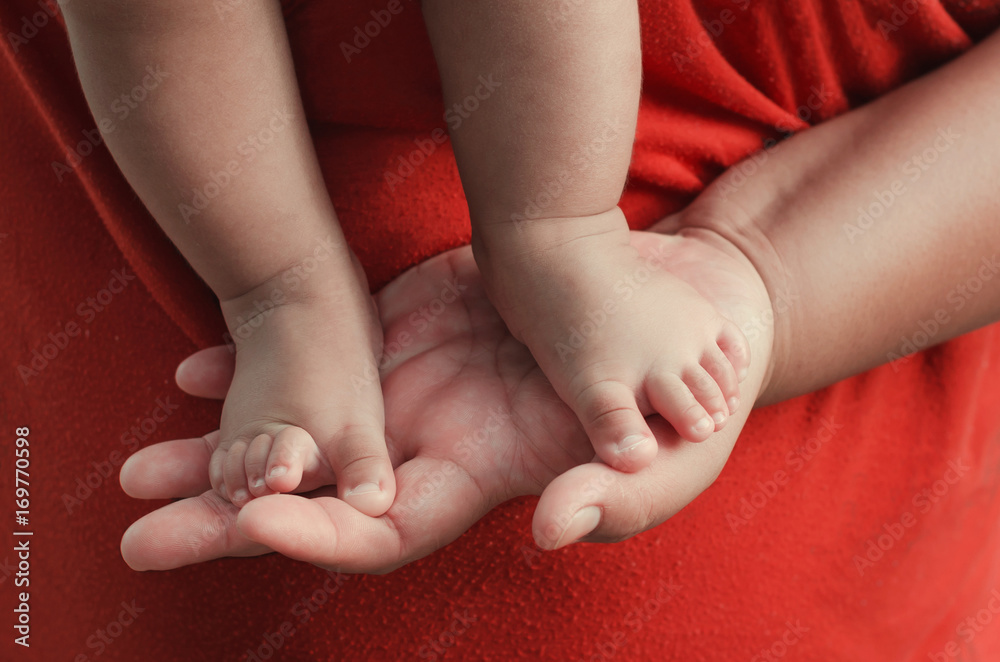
239 495
743 374
704 424
733 404
258 482
277 471
363 488
630 442
718 417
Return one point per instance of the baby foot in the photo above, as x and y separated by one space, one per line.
618 336
305 406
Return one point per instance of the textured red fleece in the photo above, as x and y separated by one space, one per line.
708 101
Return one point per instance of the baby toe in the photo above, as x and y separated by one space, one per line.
235 475
255 463
616 428
721 370
735 347
364 473
672 399
707 392
215 471
286 459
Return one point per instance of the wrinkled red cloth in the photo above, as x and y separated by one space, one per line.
898 466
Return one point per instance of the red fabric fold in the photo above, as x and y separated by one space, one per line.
749 567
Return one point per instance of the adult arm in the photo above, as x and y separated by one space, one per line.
874 229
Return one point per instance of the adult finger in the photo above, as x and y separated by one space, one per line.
185 532
170 469
436 502
207 373
595 503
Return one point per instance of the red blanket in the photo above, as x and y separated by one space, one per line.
857 523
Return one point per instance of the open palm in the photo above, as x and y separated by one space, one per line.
471 422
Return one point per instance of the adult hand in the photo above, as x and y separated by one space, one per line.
470 421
